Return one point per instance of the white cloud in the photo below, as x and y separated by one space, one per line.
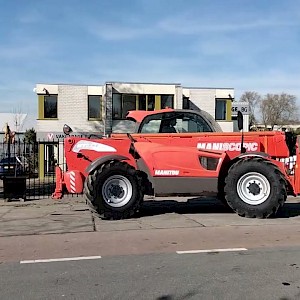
12 52
115 32
31 16
189 24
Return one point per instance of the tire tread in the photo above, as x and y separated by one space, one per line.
272 209
91 196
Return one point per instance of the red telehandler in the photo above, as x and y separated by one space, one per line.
181 153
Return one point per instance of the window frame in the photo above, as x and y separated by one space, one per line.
135 100
156 99
100 108
167 95
228 104
41 107
122 114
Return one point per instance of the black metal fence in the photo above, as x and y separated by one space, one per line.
32 163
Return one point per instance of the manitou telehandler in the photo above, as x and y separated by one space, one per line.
180 153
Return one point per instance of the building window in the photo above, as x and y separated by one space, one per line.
167 101
94 107
129 103
150 102
50 107
221 105
142 102
117 106
122 103
185 102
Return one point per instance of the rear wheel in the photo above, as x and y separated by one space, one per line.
255 188
114 191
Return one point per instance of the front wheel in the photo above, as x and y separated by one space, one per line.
114 191
255 188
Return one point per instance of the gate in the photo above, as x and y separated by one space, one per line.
35 162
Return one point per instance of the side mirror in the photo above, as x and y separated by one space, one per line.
67 129
240 120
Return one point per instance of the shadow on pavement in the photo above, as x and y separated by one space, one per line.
182 297
289 210
203 206
191 206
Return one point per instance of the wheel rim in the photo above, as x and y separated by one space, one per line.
253 188
117 191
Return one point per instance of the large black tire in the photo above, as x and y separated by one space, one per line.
114 191
255 188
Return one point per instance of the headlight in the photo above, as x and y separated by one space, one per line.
209 163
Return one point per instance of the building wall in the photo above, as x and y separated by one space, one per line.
205 99
178 101
226 126
73 105
107 109
144 88
72 108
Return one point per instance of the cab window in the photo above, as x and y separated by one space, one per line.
189 122
151 127
151 124
175 122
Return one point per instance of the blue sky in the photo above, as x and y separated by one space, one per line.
248 45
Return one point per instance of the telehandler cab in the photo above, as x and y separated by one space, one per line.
250 172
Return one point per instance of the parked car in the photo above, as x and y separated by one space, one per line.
12 166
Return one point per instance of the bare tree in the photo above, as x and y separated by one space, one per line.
253 98
18 118
278 109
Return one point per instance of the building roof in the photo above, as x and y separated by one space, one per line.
17 122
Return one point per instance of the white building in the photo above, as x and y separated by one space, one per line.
102 109
99 109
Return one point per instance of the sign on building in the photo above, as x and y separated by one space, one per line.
243 107
55 136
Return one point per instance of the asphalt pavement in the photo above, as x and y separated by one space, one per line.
264 274
57 249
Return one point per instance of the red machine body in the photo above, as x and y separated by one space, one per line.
174 163
171 152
